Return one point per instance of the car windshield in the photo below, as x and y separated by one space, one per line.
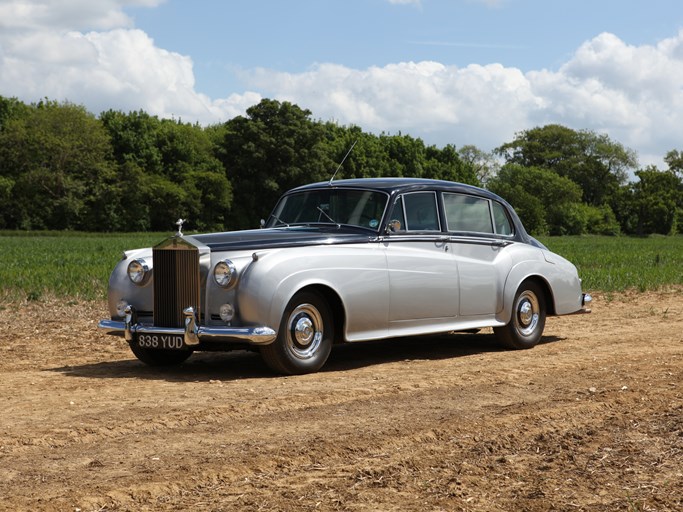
362 208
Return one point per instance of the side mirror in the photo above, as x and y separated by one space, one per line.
263 223
394 226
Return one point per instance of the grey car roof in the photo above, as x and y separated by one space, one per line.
396 185
391 185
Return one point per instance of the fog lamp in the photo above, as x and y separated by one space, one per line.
121 308
227 312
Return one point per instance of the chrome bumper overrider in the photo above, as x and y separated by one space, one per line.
192 334
586 300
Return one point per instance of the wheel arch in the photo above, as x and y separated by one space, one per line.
512 285
547 292
336 305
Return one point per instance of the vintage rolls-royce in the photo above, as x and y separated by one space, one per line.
343 261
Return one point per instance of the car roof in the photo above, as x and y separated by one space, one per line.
395 185
391 185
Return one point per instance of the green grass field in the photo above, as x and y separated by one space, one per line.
77 265
621 263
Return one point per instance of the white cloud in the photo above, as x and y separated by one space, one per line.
43 55
67 14
455 105
632 93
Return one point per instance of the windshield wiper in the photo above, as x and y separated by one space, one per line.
279 219
327 215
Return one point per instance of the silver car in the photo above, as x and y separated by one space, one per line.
343 261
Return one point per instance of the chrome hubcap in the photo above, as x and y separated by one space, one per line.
528 311
526 314
305 331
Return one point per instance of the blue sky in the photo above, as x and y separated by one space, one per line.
449 71
223 37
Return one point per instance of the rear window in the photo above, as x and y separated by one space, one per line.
501 219
467 213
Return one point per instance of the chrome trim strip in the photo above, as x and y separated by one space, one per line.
252 335
444 237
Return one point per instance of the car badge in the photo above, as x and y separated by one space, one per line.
180 223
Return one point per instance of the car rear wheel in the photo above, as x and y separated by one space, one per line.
528 318
304 340
159 357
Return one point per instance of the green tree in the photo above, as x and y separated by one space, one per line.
135 139
601 220
653 204
447 164
170 170
367 159
593 161
545 202
55 157
485 165
273 148
674 160
11 108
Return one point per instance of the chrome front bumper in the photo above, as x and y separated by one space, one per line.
192 334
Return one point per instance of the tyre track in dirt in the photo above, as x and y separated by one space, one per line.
592 419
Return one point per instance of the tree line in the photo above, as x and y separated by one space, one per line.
63 168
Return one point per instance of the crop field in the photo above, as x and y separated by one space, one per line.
77 265
619 263
64 264
590 420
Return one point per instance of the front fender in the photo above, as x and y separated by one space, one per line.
357 274
141 297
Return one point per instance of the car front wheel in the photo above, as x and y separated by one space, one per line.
528 318
304 340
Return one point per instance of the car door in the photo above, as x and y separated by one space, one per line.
479 229
423 278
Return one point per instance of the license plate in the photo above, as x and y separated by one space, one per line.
161 341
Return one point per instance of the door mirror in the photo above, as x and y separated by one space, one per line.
394 226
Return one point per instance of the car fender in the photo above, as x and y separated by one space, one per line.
141 297
277 275
557 274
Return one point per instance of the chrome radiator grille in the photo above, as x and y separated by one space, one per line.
176 284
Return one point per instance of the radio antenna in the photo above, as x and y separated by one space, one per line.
342 162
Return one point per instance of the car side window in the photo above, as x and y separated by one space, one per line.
467 213
421 212
501 219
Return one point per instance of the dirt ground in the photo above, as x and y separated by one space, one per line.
591 419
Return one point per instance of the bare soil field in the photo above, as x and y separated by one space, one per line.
591 419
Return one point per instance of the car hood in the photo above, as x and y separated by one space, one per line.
293 236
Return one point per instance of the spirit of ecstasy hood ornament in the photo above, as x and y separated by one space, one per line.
180 223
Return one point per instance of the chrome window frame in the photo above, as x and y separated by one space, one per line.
437 211
492 219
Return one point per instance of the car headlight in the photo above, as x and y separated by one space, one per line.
225 273
138 270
